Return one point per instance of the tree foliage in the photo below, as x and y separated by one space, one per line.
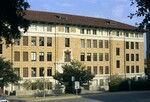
143 10
12 20
76 69
7 73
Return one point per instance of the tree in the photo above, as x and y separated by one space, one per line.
143 10
7 73
76 69
12 19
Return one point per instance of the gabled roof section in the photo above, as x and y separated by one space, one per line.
66 19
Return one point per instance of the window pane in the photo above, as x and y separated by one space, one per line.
17 56
94 43
137 69
49 28
41 41
127 45
132 57
106 57
100 56
106 70
49 56
67 56
100 43
33 56
88 56
25 72
49 41
132 45
25 40
95 70
106 43
25 56
132 69
127 69
137 45
127 57
118 51
17 42
67 29
17 71
117 64
33 72
81 31
89 69
82 57
82 41
88 43
41 56
33 41
67 42
101 69
94 56
49 71
41 71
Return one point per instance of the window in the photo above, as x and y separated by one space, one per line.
137 69
100 56
41 56
41 71
106 57
117 64
82 41
49 71
94 32
67 42
49 41
1 49
33 27
106 70
81 31
33 56
127 34
137 45
33 41
17 71
127 69
101 69
137 57
88 43
25 72
17 42
25 40
88 31
95 70
127 45
100 43
89 69
101 82
117 51
17 56
106 43
88 56
132 69
41 41
94 43
49 56
127 57
117 33
49 28
132 57
67 56
25 56
132 45
82 57
94 56
33 72
67 29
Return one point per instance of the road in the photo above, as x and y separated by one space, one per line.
143 96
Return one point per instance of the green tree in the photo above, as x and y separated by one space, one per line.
12 19
7 73
143 10
76 69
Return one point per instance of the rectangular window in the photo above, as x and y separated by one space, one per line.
100 56
106 70
82 57
33 56
117 51
132 45
88 31
67 56
49 56
100 43
33 41
17 56
137 69
1 49
25 40
49 41
41 41
67 29
17 71
137 45
117 64
94 43
88 56
127 34
132 69
127 45
16 42
41 71
117 33
106 57
82 41
101 69
25 56
127 69
25 72
94 32
88 43
94 56
89 69
33 72
81 31
67 42
49 71
41 56
49 29
127 57
137 57
95 70
106 43
132 57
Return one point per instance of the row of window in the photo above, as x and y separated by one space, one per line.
134 57
132 69
98 70
132 45
33 73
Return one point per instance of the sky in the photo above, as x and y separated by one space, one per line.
117 10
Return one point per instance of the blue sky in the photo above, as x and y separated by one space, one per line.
111 9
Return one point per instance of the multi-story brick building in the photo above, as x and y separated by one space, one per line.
105 46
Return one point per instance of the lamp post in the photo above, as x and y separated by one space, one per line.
72 79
